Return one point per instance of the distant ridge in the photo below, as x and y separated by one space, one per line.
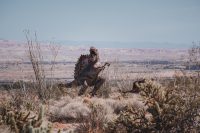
14 51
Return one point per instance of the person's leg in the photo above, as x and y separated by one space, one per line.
83 88
99 82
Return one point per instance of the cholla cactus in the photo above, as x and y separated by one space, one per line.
132 120
169 110
21 122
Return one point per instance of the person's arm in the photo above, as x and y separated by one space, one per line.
97 65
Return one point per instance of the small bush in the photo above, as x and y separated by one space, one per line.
169 110
95 121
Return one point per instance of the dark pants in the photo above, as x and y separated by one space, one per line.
97 85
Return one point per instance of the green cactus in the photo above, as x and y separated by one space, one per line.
41 113
20 122
14 124
29 127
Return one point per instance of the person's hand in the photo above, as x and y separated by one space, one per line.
108 64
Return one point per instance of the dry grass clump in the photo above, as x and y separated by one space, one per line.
73 108
104 111
114 106
93 114
68 109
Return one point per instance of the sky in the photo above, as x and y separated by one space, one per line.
126 23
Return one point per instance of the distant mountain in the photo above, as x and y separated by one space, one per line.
106 44
17 51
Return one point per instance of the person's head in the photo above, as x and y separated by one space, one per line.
94 53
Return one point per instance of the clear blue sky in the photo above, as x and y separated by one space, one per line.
159 21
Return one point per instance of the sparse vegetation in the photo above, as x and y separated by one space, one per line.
174 109
123 105
22 122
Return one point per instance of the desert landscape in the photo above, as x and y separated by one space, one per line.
15 64
142 90
99 66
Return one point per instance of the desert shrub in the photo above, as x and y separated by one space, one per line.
21 96
95 121
18 100
130 120
169 110
45 89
